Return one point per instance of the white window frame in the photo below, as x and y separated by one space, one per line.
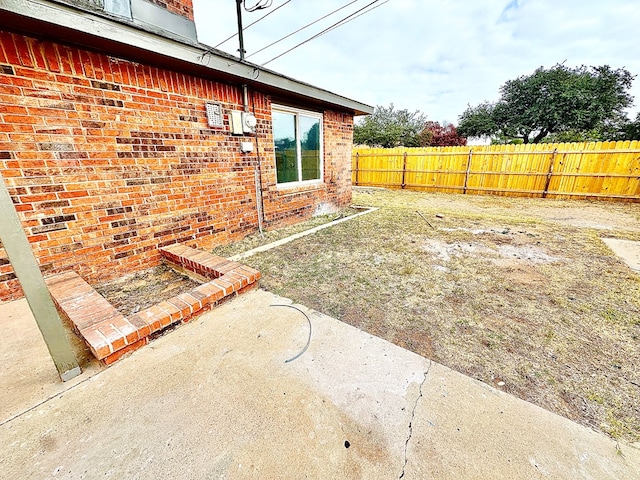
307 113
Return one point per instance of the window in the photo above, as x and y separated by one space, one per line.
118 7
297 137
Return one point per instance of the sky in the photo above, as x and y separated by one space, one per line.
433 56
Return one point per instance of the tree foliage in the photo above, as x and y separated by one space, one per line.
630 130
311 139
436 135
558 101
388 127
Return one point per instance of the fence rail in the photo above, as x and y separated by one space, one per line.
606 170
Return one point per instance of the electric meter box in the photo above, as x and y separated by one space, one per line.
242 122
249 122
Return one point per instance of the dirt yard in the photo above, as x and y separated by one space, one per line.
520 293
140 290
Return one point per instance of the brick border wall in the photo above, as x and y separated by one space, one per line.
110 335
107 160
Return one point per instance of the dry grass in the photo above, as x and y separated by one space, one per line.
268 236
500 289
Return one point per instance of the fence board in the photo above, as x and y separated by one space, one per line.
564 170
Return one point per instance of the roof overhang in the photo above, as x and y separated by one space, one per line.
60 22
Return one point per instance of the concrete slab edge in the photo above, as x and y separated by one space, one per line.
291 238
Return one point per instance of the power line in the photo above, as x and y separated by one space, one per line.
339 23
251 24
300 29
353 18
345 20
260 5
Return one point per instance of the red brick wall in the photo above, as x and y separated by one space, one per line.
181 7
108 159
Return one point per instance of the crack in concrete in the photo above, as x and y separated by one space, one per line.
413 414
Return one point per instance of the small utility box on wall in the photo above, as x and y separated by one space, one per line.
241 122
249 122
214 115
235 122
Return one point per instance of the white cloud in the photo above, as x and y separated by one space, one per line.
433 56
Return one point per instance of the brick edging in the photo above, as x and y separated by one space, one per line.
110 335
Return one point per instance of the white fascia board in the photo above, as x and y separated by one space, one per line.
196 54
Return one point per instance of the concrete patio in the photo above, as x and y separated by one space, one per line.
215 399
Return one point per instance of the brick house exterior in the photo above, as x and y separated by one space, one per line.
106 149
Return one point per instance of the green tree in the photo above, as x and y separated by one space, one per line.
388 127
630 130
584 101
311 139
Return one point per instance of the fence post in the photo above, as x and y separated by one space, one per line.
404 170
466 175
550 173
357 166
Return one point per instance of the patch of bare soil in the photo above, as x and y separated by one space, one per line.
499 289
140 290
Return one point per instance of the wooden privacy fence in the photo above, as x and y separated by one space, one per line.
608 170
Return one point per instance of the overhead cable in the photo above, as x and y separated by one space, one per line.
300 29
345 20
260 5
258 20
359 15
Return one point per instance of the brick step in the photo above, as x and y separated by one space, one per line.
110 335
